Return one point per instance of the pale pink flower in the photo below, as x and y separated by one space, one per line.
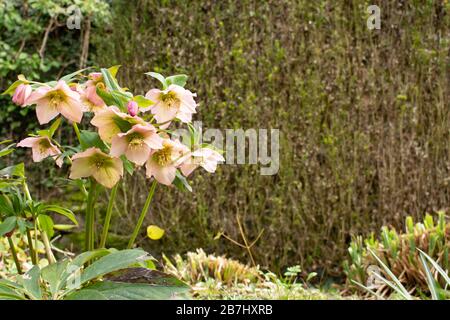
89 105
112 121
105 169
21 94
137 143
91 89
133 108
174 102
207 158
162 164
50 102
41 148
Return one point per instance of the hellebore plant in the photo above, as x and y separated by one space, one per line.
128 132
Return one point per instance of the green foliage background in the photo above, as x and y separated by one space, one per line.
364 119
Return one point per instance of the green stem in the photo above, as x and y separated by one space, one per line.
112 197
14 254
90 219
143 214
30 246
48 248
77 131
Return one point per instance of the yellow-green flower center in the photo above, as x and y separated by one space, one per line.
163 157
44 145
100 161
56 97
170 99
135 140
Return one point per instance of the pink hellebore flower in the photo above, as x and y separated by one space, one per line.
162 164
95 78
137 143
41 148
21 95
204 157
174 102
105 169
50 102
112 121
133 108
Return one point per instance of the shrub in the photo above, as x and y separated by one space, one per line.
398 251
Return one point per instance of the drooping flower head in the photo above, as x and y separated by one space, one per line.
137 143
21 94
112 121
50 102
174 102
162 164
90 92
41 148
206 158
105 169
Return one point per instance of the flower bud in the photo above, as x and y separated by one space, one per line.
133 108
21 94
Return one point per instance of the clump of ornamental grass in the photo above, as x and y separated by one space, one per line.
201 267
399 252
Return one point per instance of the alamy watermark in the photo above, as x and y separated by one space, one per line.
250 146
74 17
374 19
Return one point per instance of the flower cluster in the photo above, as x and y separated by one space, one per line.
129 129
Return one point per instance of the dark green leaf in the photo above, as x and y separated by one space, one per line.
8 225
91 139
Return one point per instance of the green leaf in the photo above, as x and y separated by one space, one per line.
142 101
12 88
106 97
46 224
64 227
30 282
91 139
135 291
7 225
179 79
159 77
7 150
128 165
432 285
181 182
109 80
113 70
54 127
53 275
69 77
399 287
112 262
17 170
62 211
86 294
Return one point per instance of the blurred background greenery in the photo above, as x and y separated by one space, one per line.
364 115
